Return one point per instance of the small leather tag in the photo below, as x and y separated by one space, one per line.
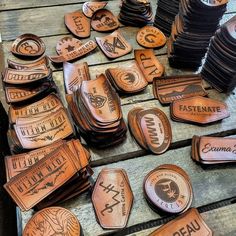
112 198
199 110
67 45
89 8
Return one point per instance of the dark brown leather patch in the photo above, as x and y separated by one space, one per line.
53 220
148 63
114 45
78 24
151 37
74 74
67 45
89 8
188 223
112 198
199 110
28 45
103 20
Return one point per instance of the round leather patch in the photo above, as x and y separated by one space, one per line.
29 45
53 221
67 44
151 37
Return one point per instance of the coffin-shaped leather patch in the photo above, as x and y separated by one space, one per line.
199 110
114 45
151 37
112 198
189 223
78 24
28 45
149 64
67 44
53 221
89 8
74 74
103 20
44 131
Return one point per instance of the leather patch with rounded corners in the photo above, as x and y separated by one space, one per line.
112 198
78 52
103 20
42 107
148 63
29 45
34 184
214 3
20 66
74 74
189 223
127 79
67 44
44 131
53 221
114 45
89 8
78 24
199 110
151 37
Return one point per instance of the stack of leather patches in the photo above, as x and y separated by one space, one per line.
213 150
48 175
95 108
150 128
219 68
170 88
135 12
192 29
165 15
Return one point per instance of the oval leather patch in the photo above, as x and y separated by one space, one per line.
78 24
89 8
67 44
112 198
151 37
29 45
103 20
214 3
53 221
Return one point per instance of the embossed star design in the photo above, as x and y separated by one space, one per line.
70 48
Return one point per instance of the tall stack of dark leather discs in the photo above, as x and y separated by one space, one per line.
165 15
191 31
219 68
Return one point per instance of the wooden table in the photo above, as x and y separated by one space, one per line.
214 188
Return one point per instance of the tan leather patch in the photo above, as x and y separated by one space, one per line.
67 45
28 45
89 8
189 223
112 198
74 74
149 64
78 52
151 37
103 20
199 110
114 45
52 221
78 24
214 3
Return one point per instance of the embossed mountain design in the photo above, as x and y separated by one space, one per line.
130 78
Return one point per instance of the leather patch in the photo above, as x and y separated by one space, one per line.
53 220
89 8
151 37
149 64
103 20
19 66
67 45
37 182
171 88
28 45
44 131
74 74
112 198
114 45
189 223
214 3
78 52
199 110
127 79
78 24
168 190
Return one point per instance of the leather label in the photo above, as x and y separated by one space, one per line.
89 8
67 44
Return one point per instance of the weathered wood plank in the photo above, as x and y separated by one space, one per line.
209 185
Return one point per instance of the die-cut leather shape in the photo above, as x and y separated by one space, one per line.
67 44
